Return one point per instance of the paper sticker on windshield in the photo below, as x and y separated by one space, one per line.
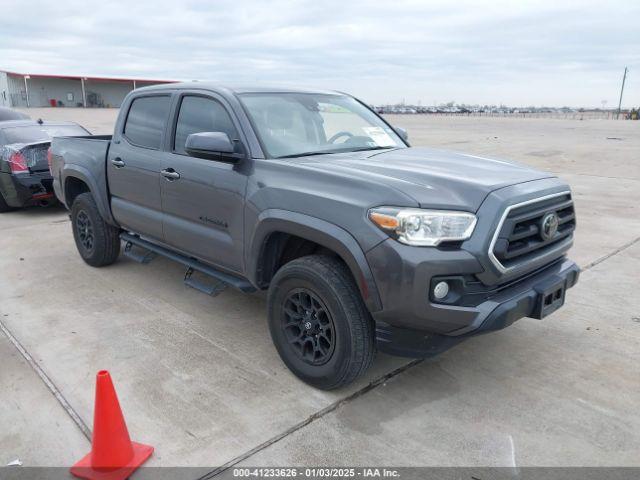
379 136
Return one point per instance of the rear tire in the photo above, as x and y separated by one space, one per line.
98 242
319 323
3 205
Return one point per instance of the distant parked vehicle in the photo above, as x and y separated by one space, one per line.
9 114
25 179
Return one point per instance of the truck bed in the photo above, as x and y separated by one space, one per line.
84 156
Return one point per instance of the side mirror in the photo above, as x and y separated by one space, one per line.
403 133
211 145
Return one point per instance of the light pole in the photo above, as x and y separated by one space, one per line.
26 89
624 77
84 92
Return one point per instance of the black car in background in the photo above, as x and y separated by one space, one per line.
25 179
9 114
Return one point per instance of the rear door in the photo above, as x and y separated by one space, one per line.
133 165
203 208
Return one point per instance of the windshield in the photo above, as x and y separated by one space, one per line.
298 124
41 133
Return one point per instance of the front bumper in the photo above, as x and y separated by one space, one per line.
24 190
412 324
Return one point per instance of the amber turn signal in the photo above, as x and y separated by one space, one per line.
387 222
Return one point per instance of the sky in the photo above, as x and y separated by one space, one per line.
518 52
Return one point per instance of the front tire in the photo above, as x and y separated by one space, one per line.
319 323
98 242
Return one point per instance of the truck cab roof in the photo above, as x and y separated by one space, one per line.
233 89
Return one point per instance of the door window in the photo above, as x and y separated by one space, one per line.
146 120
200 114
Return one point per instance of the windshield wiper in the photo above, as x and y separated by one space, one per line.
309 154
363 149
325 152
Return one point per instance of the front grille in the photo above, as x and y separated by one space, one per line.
529 230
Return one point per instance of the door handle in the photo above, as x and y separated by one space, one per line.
118 162
170 174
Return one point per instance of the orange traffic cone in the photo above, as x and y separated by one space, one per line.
113 455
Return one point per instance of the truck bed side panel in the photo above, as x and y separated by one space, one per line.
83 159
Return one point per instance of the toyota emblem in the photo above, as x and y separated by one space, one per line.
549 225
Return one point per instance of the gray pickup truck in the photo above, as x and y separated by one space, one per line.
360 241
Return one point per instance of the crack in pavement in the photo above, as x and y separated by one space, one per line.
316 416
612 254
48 383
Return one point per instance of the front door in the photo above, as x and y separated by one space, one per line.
133 166
203 200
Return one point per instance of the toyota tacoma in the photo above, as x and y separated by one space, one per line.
361 242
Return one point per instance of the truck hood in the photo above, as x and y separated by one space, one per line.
433 178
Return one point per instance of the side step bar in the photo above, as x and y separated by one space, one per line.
191 264
145 257
212 290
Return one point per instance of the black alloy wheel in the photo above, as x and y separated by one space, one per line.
98 242
319 323
84 229
308 326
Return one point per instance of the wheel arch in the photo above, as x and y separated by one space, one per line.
77 180
275 225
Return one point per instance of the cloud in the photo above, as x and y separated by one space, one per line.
520 53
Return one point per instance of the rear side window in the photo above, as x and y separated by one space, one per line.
146 120
199 114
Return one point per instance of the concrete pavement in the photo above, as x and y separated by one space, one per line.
35 428
199 379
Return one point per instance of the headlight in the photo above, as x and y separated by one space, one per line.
415 226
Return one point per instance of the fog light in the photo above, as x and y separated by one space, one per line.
441 290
